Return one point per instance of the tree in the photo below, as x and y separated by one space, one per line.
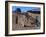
18 10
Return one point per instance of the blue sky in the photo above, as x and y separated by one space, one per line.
24 9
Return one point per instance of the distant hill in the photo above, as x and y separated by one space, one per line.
36 12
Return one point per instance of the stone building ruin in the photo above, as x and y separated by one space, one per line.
22 20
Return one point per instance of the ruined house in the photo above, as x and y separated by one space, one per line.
24 20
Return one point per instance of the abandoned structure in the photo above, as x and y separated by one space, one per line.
28 20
